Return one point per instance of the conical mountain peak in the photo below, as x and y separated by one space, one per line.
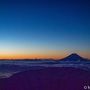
73 57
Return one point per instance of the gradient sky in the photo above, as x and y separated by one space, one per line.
44 28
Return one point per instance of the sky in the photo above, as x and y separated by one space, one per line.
44 28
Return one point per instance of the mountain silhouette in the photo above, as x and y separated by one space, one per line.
74 57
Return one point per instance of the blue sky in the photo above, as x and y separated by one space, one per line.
40 26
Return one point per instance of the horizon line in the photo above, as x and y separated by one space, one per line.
51 58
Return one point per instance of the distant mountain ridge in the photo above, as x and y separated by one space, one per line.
71 57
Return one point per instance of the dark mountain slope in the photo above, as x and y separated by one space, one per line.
48 79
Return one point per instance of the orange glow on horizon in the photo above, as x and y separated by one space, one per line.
29 57
36 56
44 55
